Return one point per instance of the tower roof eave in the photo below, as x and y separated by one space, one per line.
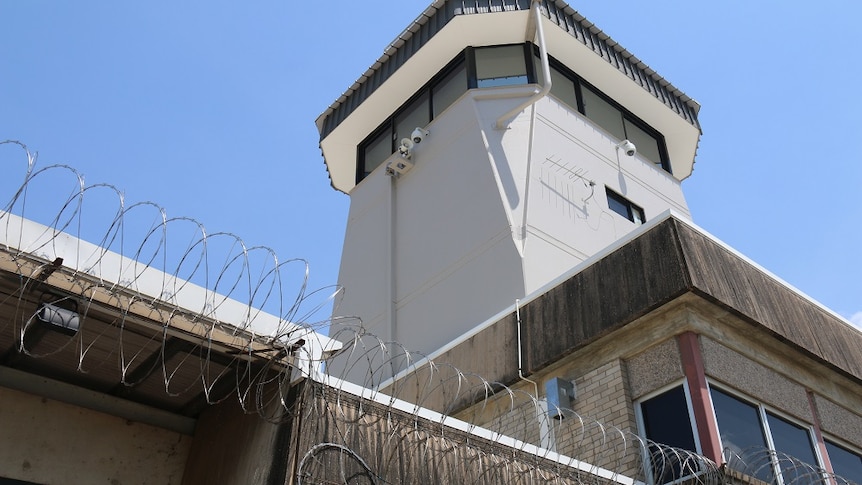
426 45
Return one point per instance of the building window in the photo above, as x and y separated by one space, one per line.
666 419
747 431
845 463
793 440
603 113
417 112
755 440
375 151
479 67
618 122
507 65
448 89
500 66
624 207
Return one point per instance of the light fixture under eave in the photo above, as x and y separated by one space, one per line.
59 319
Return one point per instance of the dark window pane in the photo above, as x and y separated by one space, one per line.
417 115
646 144
624 207
376 152
792 440
845 463
563 89
617 205
666 421
450 88
603 113
741 433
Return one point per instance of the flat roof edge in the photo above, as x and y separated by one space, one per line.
439 13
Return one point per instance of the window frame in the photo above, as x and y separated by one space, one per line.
641 425
844 446
580 83
467 60
389 123
763 412
632 209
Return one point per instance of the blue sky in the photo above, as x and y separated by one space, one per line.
207 108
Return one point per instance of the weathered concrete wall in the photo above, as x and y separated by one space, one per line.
757 381
232 447
654 368
840 421
52 443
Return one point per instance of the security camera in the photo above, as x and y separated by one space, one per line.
418 135
405 149
628 147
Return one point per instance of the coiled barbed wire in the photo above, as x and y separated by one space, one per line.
440 424
136 258
767 465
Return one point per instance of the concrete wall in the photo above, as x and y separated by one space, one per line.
52 443
567 220
487 216
232 447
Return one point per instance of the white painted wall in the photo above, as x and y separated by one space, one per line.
52 443
464 249
565 224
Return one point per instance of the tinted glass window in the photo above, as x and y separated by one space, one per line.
500 66
603 113
845 463
417 115
740 430
792 440
377 151
563 88
646 144
666 421
624 207
617 205
450 88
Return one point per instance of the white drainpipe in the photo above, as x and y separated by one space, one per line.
502 121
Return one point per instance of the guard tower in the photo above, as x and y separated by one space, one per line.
493 147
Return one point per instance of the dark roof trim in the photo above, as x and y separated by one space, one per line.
439 13
588 34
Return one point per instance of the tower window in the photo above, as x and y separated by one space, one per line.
624 207
500 66
418 111
480 67
604 112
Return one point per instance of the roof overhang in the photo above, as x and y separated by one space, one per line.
623 77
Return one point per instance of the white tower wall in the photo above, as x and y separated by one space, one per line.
487 216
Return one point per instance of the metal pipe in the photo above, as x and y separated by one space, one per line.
546 71
520 361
